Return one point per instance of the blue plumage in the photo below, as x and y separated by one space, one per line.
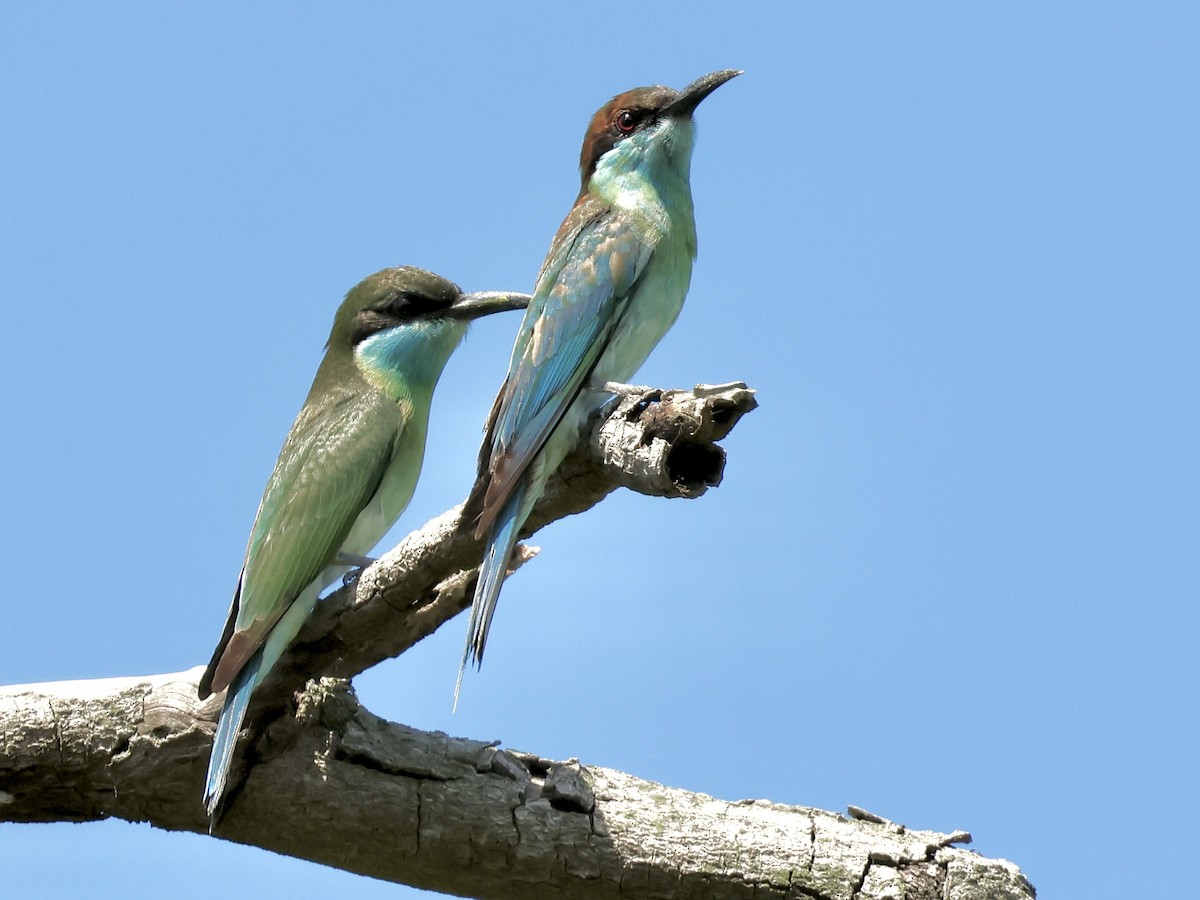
236 701
612 284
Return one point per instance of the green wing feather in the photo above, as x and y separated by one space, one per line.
331 465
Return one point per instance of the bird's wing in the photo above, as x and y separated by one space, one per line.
579 300
331 465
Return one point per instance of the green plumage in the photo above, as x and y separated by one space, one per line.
346 472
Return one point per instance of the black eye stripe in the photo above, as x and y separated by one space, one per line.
396 309
405 306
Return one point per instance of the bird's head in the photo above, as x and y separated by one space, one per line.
408 297
643 122
405 322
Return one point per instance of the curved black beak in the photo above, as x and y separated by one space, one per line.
689 98
484 303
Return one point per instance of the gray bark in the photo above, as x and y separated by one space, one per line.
324 779
335 784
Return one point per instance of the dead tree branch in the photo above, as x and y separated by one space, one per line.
337 785
330 782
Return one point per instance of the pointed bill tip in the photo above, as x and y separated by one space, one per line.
484 303
718 78
691 96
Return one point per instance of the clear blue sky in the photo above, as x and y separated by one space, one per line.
952 573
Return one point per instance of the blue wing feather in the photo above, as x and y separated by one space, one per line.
225 739
577 306
579 301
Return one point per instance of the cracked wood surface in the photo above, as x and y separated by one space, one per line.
335 784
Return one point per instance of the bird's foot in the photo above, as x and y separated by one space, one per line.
357 564
621 394
617 388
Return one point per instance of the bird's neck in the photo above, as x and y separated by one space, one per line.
648 175
405 363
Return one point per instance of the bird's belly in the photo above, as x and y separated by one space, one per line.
369 527
390 499
653 309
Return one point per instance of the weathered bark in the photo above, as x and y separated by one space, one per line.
326 780
335 784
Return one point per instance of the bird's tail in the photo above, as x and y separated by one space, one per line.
492 570
224 741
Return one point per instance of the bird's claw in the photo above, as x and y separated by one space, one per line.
356 563
618 388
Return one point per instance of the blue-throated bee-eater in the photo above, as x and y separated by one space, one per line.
347 470
611 286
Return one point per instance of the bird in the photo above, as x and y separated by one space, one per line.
346 472
612 284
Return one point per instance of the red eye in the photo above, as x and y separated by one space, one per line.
626 122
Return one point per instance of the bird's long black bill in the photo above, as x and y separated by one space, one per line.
689 98
484 303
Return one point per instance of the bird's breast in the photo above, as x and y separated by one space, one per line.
650 310
394 492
